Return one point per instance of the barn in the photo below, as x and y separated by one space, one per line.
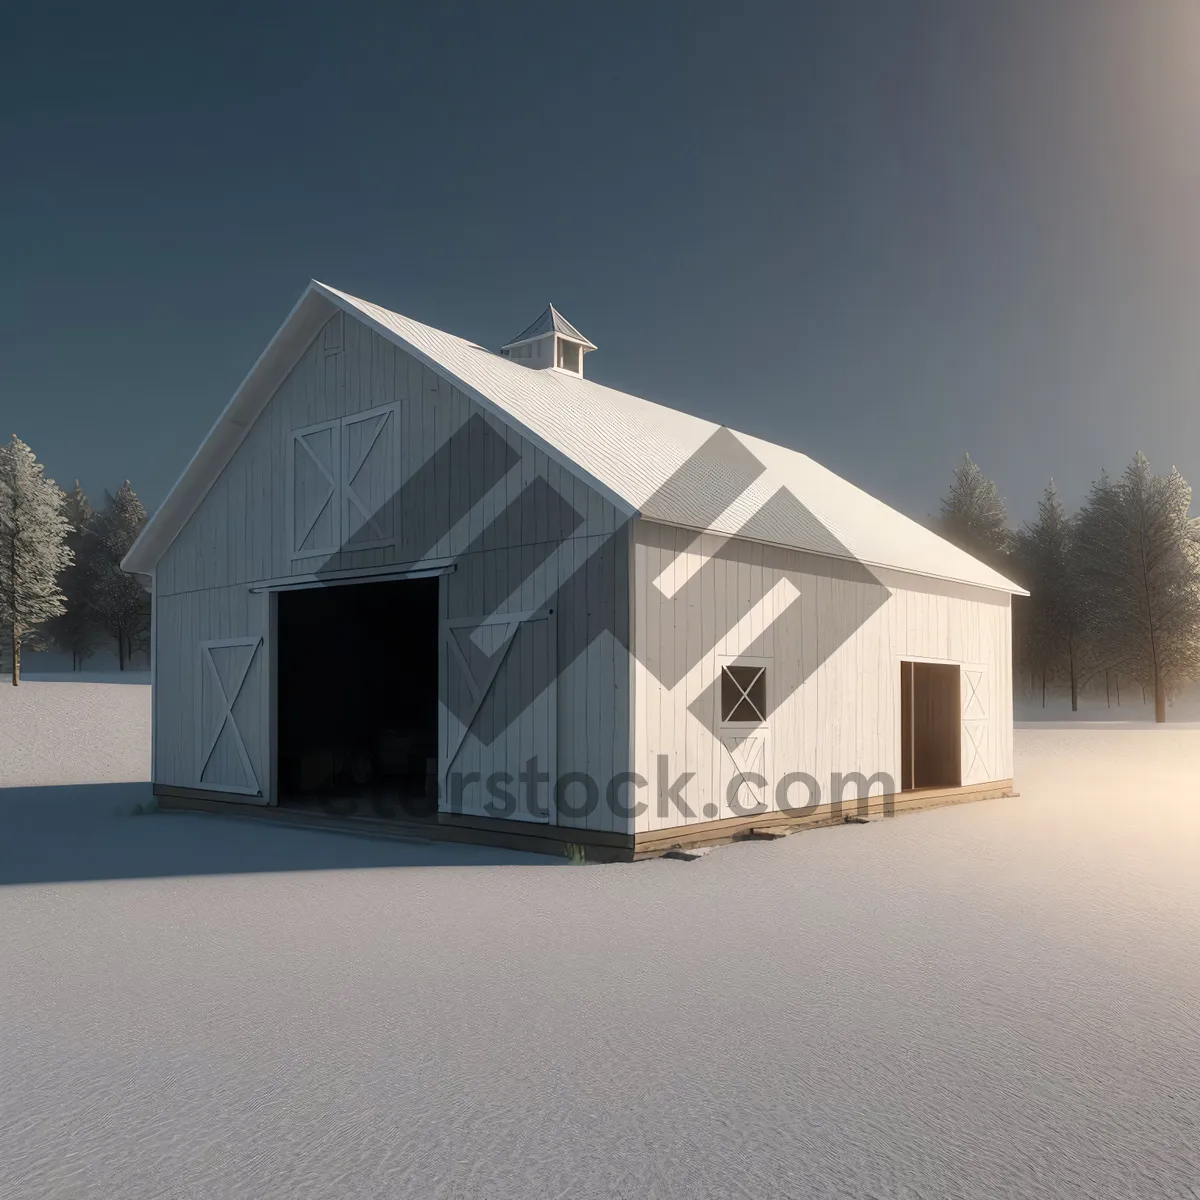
409 581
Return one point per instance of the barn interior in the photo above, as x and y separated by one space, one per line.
356 710
930 726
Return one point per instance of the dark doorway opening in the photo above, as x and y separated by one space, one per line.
357 670
930 726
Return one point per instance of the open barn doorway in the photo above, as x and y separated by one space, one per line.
930 726
357 674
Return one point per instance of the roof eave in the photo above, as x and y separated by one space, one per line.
579 341
999 584
316 304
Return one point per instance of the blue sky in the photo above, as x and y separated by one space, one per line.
883 233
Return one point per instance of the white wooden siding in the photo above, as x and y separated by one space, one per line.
368 478
241 532
376 420
390 422
833 639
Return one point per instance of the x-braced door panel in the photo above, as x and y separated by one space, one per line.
314 489
743 776
500 719
229 725
368 474
342 483
976 726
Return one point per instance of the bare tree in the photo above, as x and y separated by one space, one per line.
33 546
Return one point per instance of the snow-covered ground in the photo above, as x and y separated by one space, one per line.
993 1000
55 730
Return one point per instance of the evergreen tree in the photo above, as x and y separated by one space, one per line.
1026 647
1054 626
1138 557
120 602
75 630
973 516
33 546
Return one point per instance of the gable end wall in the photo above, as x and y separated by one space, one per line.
511 554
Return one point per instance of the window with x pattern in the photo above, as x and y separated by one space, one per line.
743 693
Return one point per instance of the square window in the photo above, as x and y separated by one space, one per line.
743 693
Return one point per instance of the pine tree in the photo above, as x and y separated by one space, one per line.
1138 556
1055 626
33 546
75 630
973 516
119 600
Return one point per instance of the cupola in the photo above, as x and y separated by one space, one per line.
551 341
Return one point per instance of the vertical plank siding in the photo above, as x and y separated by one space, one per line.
394 424
525 534
833 654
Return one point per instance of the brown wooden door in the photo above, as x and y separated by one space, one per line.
930 725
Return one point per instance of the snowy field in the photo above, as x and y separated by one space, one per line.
996 1000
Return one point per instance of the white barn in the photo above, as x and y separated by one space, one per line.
408 580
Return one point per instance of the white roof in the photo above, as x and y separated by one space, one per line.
650 460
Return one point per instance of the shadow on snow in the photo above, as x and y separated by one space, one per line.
88 832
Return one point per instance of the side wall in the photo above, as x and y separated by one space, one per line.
362 459
831 636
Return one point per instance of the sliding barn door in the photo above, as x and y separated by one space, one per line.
230 756
500 716
976 748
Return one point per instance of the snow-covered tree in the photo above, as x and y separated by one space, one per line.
973 515
33 546
120 602
1138 557
76 630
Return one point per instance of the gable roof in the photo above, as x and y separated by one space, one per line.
551 321
648 459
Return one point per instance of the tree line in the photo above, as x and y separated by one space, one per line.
61 583
1114 588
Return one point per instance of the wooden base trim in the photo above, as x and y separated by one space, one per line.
597 845
711 833
169 791
563 834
